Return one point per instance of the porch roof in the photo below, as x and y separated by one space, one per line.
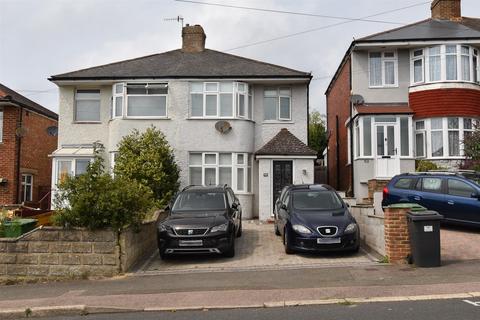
74 151
399 108
287 144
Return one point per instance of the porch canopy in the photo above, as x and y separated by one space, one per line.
285 144
74 151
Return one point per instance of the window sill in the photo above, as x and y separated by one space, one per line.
277 121
141 118
87 122
219 119
384 87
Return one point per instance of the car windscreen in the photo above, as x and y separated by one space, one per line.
198 200
473 177
316 200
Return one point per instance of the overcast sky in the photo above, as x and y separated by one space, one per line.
40 38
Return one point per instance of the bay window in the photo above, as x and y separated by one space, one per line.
221 168
450 62
383 69
87 105
442 137
220 100
277 104
70 167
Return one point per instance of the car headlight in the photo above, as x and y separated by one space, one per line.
163 228
351 228
301 229
220 228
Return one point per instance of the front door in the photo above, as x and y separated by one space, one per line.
282 176
387 162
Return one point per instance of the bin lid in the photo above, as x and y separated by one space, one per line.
429 215
414 207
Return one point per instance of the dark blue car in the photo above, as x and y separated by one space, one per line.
314 218
455 195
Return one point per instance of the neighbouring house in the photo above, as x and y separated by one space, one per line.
402 95
28 134
230 120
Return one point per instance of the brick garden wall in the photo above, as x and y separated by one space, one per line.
397 239
8 152
57 252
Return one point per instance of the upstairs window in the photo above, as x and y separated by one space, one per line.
118 97
277 104
383 68
87 105
451 62
147 100
220 100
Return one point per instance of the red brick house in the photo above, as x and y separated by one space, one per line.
28 134
411 93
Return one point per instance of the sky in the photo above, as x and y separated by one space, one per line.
40 38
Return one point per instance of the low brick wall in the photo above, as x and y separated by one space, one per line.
371 224
397 239
58 252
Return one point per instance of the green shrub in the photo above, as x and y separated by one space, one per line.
148 159
425 165
95 200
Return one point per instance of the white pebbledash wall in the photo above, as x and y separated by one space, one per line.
186 135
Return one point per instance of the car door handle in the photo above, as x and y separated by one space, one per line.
451 202
418 198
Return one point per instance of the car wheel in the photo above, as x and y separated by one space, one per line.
275 227
286 242
230 253
239 232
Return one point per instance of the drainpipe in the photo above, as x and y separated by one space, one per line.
337 145
351 137
308 115
19 152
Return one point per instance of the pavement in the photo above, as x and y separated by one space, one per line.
260 276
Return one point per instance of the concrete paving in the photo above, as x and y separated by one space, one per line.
258 249
459 243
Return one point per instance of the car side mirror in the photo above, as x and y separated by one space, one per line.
476 196
235 205
167 208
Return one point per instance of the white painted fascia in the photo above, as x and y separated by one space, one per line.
413 43
284 157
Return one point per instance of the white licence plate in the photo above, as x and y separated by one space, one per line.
328 240
190 243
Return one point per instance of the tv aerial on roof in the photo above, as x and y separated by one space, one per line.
178 19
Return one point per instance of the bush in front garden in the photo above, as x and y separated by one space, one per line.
148 159
96 200
471 146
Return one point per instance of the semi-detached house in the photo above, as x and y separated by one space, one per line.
230 120
411 93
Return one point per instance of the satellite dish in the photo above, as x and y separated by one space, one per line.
357 99
52 131
223 126
21 131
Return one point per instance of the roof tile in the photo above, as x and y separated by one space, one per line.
285 143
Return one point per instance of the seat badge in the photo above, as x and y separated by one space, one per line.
190 232
328 231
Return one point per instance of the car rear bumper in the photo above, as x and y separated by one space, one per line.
215 244
347 243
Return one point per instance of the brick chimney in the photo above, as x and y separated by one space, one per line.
446 9
193 38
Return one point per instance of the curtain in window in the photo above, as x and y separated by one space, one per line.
404 139
437 143
389 72
367 136
375 69
270 108
453 143
197 104
420 145
451 60
466 68
87 105
147 106
418 70
434 64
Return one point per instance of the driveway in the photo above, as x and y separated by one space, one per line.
459 243
257 249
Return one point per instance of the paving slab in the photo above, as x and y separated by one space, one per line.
258 248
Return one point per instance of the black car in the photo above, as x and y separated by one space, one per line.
314 218
201 220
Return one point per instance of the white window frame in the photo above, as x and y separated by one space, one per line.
474 69
247 161
116 95
99 105
73 165
235 100
413 59
24 189
384 59
126 97
423 133
428 137
279 96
